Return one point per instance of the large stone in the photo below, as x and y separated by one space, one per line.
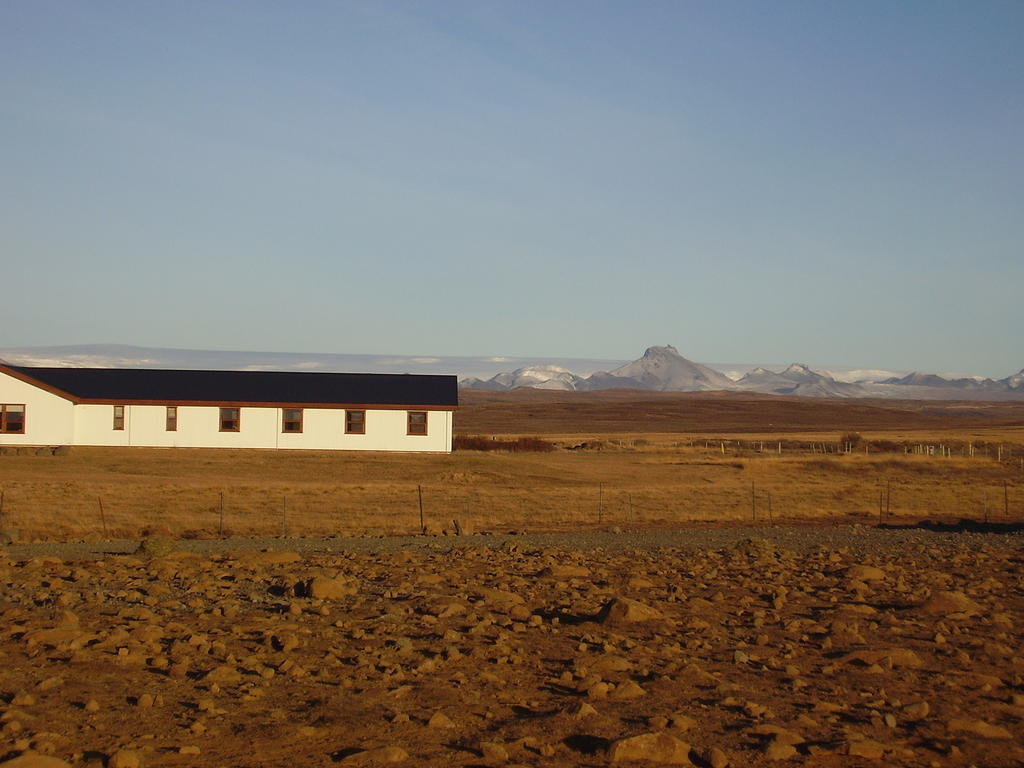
628 690
223 674
34 760
951 604
866 748
865 573
125 758
714 758
897 657
652 747
380 755
980 728
156 546
777 750
325 588
624 610
565 572
440 720
916 711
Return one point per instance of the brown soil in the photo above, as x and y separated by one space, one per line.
534 411
818 646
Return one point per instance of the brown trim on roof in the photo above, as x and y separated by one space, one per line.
247 404
41 385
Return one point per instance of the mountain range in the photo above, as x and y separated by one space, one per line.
663 369
659 369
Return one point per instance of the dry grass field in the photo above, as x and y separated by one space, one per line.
622 459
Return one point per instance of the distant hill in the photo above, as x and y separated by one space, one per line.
536 376
663 369
799 380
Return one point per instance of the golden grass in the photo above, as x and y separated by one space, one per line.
647 459
625 479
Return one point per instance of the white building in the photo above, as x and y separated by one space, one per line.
226 409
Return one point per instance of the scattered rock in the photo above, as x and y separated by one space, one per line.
867 748
865 573
440 720
377 756
979 728
623 610
951 604
492 751
156 546
713 757
324 588
34 760
916 711
652 747
125 758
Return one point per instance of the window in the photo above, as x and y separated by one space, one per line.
291 420
172 418
230 419
118 417
417 422
12 419
355 422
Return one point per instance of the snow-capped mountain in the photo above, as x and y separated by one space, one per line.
536 376
919 379
1016 381
663 369
800 380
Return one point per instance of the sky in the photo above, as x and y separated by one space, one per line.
839 183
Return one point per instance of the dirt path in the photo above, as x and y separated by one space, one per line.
802 538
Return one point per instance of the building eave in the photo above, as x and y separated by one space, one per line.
38 384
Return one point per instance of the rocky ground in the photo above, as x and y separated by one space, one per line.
816 646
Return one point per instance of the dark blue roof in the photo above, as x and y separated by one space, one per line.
257 387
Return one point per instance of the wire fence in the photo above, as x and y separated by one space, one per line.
44 511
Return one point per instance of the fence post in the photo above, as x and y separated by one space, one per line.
103 516
423 525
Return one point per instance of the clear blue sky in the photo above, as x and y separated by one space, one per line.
833 182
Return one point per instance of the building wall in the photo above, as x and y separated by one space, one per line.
48 417
199 427
53 420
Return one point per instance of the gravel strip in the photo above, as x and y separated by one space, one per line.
798 539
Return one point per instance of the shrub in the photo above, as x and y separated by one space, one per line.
853 438
517 445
